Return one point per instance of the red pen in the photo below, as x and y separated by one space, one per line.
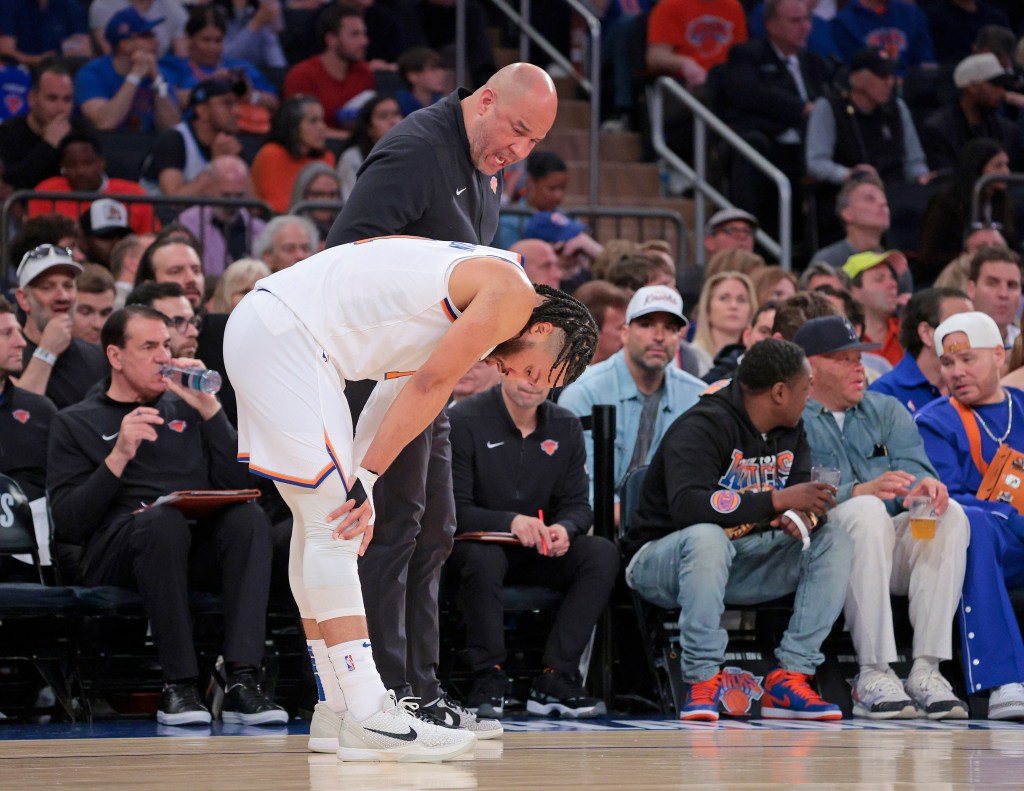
543 542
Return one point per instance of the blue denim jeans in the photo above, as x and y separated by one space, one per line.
699 569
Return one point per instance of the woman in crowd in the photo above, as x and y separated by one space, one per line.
317 182
773 283
237 281
298 136
948 215
727 303
376 118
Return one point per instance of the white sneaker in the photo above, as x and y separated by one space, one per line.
1006 702
324 729
933 696
879 695
393 734
447 712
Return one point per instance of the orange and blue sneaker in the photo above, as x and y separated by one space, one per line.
788 696
702 700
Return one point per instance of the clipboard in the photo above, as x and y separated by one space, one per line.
506 539
197 503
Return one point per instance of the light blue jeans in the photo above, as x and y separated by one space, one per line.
699 569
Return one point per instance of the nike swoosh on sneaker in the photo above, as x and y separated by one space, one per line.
449 720
411 736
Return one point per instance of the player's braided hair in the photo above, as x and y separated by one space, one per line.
572 317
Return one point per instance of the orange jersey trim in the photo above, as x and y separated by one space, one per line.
397 374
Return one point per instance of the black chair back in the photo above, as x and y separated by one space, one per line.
629 497
17 530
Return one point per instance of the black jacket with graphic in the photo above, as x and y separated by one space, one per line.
714 466
498 474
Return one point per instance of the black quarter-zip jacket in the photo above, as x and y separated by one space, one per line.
498 474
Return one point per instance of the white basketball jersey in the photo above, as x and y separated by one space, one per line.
378 307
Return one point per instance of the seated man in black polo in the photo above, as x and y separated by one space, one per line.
117 450
519 467
24 426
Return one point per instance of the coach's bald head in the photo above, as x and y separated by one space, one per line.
508 116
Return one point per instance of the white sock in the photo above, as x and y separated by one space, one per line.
357 674
925 664
878 667
327 687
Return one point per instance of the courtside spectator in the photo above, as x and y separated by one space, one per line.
317 182
874 286
685 38
863 209
95 302
917 380
83 169
958 270
702 533
57 365
422 71
167 17
975 112
793 313
641 269
897 28
31 31
773 283
547 179
339 73
728 359
730 229
298 137
540 261
994 287
29 143
225 232
534 487
727 304
845 428
286 240
179 162
607 304
648 391
127 89
238 280
107 455
376 118
124 263
48 229
169 299
103 225
252 34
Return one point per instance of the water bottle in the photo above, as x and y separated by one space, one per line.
193 378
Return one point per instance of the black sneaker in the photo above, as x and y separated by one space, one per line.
245 704
180 705
486 697
556 693
449 713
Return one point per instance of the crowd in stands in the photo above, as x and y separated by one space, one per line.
730 380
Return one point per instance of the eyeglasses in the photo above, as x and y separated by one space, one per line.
44 250
180 323
735 231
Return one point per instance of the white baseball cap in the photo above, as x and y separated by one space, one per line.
656 299
984 67
43 258
980 329
106 217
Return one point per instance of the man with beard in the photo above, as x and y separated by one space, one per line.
169 299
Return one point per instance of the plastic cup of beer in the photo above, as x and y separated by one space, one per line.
830 475
922 518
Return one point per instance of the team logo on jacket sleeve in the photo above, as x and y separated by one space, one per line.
21 415
549 446
177 425
724 501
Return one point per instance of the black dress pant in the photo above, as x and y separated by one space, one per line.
585 574
162 555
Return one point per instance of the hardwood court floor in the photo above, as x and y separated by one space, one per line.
664 757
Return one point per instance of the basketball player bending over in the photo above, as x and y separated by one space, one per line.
414 314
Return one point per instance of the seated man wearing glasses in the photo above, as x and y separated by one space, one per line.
57 365
170 299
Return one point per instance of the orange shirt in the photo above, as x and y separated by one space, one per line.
700 29
891 349
274 171
140 215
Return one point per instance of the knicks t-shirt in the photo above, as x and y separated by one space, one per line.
700 29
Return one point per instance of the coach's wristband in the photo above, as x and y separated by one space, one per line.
805 534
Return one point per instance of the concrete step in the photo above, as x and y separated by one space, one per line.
574 144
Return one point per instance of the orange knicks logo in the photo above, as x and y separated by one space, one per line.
549 446
21 415
177 425
725 501
739 688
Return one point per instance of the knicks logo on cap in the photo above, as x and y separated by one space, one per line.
549 446
177 425
21 415
725 501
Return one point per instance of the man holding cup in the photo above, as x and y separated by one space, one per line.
962 434
871 440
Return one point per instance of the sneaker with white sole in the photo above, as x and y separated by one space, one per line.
451 714
324 729
1006 702
561 695
879 695
393 734
933 696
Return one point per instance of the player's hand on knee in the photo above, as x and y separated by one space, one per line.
356 519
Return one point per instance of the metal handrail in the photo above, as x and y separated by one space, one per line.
984 181
20 196
526 31
702 119
669 216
